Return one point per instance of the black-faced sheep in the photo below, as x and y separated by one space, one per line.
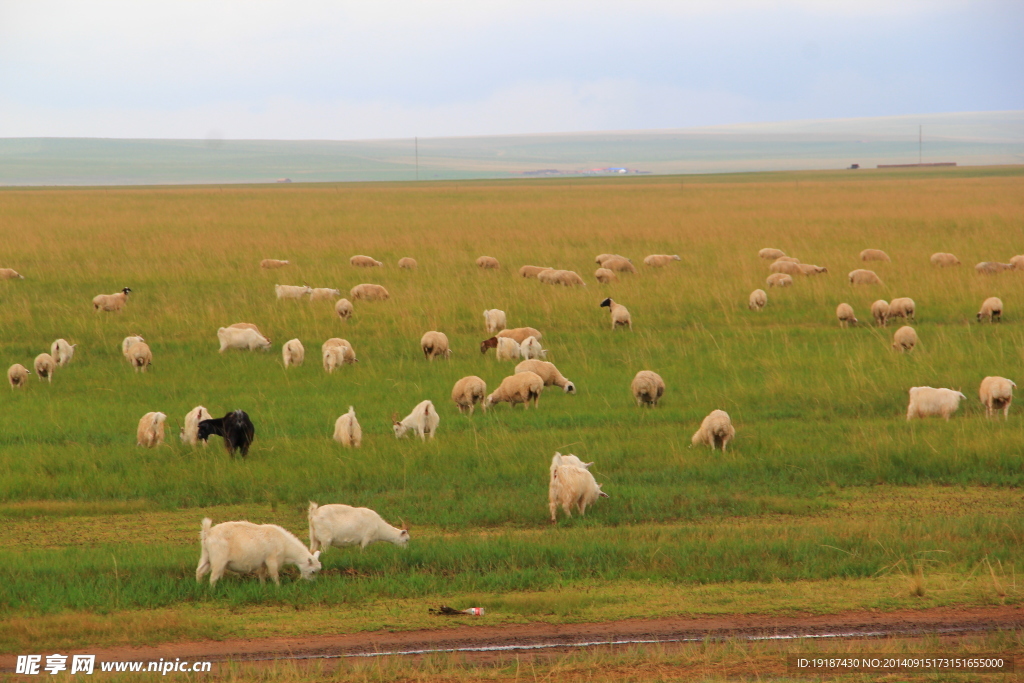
992 309
620 314
110 302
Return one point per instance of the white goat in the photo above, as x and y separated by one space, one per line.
245 547
571 484
423 421
342 525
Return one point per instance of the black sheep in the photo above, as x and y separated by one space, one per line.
236 428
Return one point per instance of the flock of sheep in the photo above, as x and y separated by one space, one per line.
996 393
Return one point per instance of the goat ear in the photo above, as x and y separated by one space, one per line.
316 555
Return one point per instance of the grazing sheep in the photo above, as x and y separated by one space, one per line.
273 263
619 265
521 333
10 274
246 326
336 352
62 352
943 259
293 353
716 430
620 315
808 269
111 302
343 525
779 280
605 276
360 261
532 271
902 307
368 292
660 260
508 349
864 277
292 291
566 278
494 319
435 344
323 294
880 312
17 375
531 349
140 356
467 392
235 428
408 263
343 308
521 387
758 300
127 342
45 366
571 485
487 262
189 434
242 338
845 314
423 421
991 267
347 431
787 267
905 339
648 388
245 547
1017 262
874 255
150 433
991 308
547 372
997 394
601 258
930 402
771 254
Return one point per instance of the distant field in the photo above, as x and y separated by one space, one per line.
825 482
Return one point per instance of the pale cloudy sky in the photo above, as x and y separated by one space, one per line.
347 70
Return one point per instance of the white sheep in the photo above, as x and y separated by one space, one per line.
521 387
423 421
660 260
571 485
997 394
902 307
488 262
880 312
245 547
343 308
647 387
189 434
469 391
1017 262
758 300
508 349
531 349
273 263
10 274
845 314
905 339
601 258
532 271
369 292
408 263
605 276
150 433
771 254
360 261
943 259
521 333
347 431
292 291
127 342
45 366
547 372
787 267
991 267
241 338
111 302
991 308
344 525
930 402
495 321
62 352
864 277
17 376
336 352
874 255
434 344
809 269
716 431
293 353
618 264
566 278
323 294
779 280
619 313
140 356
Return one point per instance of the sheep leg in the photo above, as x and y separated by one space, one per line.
217 572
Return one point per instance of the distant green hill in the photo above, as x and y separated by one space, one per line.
976 138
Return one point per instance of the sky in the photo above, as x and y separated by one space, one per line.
374 69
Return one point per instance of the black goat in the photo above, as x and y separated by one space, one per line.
236 428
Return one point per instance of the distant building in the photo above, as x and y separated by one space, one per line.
283 180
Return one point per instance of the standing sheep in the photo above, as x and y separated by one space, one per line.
660 260
44 366
292 291
991 308
360 261
905 339
566 278
605 276
571 485
547 372
10 274
944 260
997 394
845 314
245 548
532 271
336 352
343 308
880 312
808 269
111 302
716 430
150 433
864 277
508 349
127 342
521 387
435 344
347 431
467 392
369 292
619 313
62 352
344 525
991 267
487 263
758 300
602 258
17 376
273 263
323 294
903 307
930 402
241 338
408 263
618 264
648 388
494 319
423 421
787 267
189 434
874 255
531 349
771 254
779 280
140 356
293 353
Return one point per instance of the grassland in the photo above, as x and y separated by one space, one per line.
825 485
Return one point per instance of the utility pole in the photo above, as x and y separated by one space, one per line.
417 142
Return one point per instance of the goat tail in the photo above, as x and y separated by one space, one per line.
207 524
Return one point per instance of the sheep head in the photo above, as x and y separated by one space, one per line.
606 303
